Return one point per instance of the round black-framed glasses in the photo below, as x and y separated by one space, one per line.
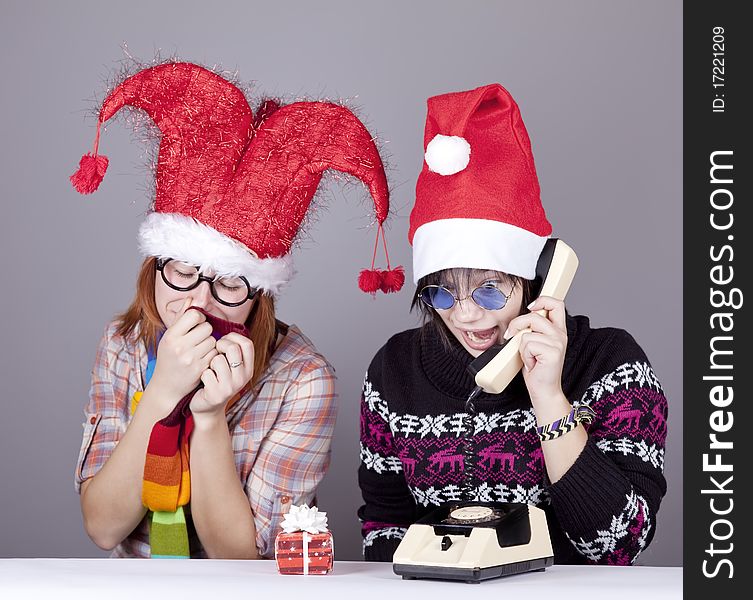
488 296
183 277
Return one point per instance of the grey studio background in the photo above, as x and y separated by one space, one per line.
600 90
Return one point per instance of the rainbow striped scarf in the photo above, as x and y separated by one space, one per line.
167 477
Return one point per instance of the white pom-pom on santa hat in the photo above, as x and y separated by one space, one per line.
447 154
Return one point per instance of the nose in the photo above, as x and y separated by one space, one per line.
202 295
467 311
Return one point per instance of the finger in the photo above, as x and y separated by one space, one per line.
188 320
554 309
186 305
236 342
207 359
234 358
531 322
237 338
221 368
209 379
232 352
247 349
205 347
225 345
537 343
200 333
536 350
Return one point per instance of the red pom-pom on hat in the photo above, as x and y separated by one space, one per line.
392 280
91 171
373 279
370 281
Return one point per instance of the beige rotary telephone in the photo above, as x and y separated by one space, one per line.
497 366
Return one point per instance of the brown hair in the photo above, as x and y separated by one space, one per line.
460 278
142 317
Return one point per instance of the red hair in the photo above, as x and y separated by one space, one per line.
142 318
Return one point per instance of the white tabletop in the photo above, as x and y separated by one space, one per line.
215 579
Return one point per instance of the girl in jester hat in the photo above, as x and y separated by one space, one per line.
208 417
579 431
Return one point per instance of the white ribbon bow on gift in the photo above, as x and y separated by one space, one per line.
303 518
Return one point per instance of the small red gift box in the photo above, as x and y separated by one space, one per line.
303 553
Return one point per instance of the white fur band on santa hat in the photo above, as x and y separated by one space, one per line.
176 236
475 244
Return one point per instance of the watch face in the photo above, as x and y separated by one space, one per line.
472 514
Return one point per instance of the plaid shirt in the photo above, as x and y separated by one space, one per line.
281 430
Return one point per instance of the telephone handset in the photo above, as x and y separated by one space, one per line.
498 365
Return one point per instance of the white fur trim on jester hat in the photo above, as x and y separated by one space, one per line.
233 189
170 235
478 201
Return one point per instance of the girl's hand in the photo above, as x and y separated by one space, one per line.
227 374
184 352
542 349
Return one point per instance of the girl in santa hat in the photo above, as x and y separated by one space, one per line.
208 418
579 432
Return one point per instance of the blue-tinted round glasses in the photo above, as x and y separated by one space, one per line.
487 296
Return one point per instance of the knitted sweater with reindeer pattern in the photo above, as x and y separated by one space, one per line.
414 452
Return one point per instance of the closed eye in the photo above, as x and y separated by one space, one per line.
226 286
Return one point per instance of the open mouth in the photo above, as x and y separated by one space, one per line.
480 339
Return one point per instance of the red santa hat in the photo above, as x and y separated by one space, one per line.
232 190
478 201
